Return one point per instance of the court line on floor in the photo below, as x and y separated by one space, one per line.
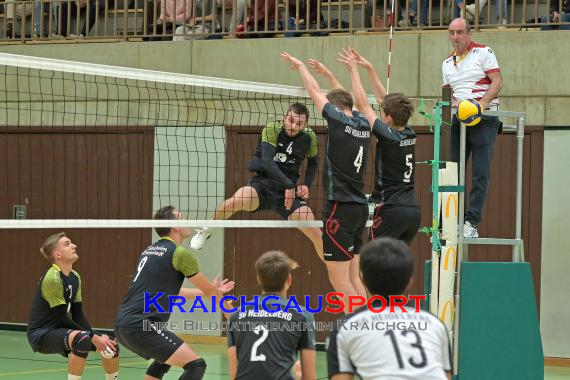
65 369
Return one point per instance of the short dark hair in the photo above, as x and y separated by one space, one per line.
164 213
272 269
299 109
399 107
387 266
49 245
341 98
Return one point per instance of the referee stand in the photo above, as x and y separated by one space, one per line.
496 331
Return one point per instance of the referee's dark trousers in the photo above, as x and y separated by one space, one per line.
480 141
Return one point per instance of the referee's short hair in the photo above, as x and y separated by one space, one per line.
386 265
272 270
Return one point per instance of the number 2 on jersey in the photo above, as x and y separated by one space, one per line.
140 267
358 159
255 357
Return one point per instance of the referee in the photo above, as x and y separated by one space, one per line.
472 72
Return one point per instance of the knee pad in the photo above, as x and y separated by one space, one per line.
157 369
81 344
194 370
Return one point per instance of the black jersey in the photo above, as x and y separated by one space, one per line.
267 343
54 289
395 165
162 267
348 146
289 151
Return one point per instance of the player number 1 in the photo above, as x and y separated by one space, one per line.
140 267
358 159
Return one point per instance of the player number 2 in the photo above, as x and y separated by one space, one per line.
140 267
409 164
358 159
259 329
417 344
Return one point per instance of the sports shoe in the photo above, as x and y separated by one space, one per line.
198 241
470 231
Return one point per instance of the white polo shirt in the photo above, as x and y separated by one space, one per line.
468 75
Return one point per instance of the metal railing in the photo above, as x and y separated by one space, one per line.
48 20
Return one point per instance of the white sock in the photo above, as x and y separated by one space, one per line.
112 376
73 377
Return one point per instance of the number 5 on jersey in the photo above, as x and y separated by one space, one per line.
410 165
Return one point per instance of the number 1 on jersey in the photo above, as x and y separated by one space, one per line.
358 159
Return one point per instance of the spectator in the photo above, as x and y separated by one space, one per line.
255 20
411 19
169 17
303 12
15 9
501 10
39 12
239 11
202 22
557 16
374 14
91 7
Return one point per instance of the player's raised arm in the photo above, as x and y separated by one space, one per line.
360 98
310 83
377 85
319 68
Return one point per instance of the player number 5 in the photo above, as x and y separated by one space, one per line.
140 267
358 159
409 164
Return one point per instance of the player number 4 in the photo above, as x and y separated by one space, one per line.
259 329
358 159
289 149
140 267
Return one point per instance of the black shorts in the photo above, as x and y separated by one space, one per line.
156 344
51 341
396 221
272 196
344 223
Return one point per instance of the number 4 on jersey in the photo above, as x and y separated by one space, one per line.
358 159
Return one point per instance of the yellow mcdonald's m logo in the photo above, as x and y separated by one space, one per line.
451 197
450 252
444 311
